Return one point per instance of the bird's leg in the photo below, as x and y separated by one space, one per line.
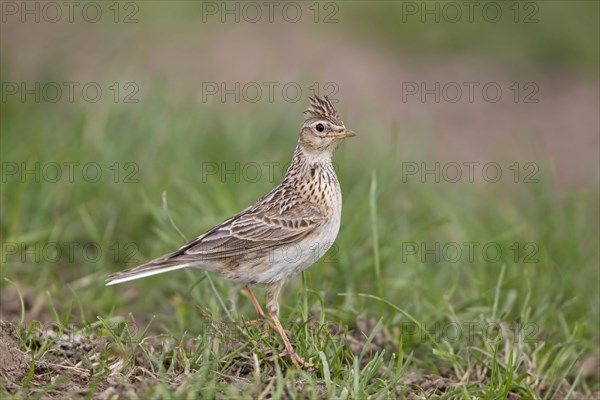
262 318
273 309
259 310
261 314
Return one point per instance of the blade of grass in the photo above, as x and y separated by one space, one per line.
375 233
22 303
497 294
29 376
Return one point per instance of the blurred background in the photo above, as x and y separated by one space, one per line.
375 57
476 123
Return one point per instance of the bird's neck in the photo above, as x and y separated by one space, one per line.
314 178
304 161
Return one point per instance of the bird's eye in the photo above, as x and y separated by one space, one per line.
320 127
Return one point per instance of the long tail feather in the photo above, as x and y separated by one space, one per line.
142 271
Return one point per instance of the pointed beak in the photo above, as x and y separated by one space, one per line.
344 134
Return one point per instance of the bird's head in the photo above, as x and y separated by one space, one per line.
322 130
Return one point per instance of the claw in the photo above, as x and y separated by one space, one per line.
298 361
266 325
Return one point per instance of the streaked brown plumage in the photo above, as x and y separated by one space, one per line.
300 216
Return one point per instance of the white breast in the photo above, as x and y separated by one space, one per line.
286 261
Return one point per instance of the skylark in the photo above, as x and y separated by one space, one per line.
283 233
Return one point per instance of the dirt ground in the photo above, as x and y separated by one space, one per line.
75 364
72 366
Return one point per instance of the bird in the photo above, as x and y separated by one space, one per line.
282 234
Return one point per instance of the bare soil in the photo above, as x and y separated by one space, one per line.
72 366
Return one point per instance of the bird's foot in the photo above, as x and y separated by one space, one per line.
258 323
266 325
298 361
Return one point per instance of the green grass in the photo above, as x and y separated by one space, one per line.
175 336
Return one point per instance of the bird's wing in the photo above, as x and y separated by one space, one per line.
277 219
